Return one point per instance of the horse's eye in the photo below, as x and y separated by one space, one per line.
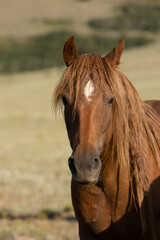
110 100
64 100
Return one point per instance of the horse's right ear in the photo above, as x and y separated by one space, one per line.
70 51
115 54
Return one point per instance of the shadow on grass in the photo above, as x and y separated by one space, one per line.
44 214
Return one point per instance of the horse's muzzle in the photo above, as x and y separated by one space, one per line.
85 172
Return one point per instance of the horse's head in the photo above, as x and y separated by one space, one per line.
88 104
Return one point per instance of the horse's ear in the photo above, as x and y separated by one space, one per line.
115 54
70 51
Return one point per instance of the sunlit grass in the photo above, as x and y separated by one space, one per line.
43 229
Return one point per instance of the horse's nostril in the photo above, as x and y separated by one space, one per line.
96 163
72 166
96 160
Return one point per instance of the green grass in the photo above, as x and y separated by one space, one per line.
45 51
133 16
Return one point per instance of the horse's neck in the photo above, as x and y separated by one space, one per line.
116 187
155 104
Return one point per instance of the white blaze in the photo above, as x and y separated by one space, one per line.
88 90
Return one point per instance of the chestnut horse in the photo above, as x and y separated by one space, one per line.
115 138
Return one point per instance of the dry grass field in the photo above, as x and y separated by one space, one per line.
35 199
26 18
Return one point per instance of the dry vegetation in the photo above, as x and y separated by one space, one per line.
27 18
34 176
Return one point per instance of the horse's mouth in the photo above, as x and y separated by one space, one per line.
86 182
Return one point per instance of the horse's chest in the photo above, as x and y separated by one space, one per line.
90 207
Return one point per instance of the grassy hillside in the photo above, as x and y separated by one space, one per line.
137 23
28 18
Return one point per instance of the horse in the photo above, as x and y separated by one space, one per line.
115 142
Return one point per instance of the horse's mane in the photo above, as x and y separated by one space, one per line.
133 131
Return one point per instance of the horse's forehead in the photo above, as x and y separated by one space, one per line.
89 89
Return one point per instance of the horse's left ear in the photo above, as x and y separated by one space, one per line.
70 51
115 54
